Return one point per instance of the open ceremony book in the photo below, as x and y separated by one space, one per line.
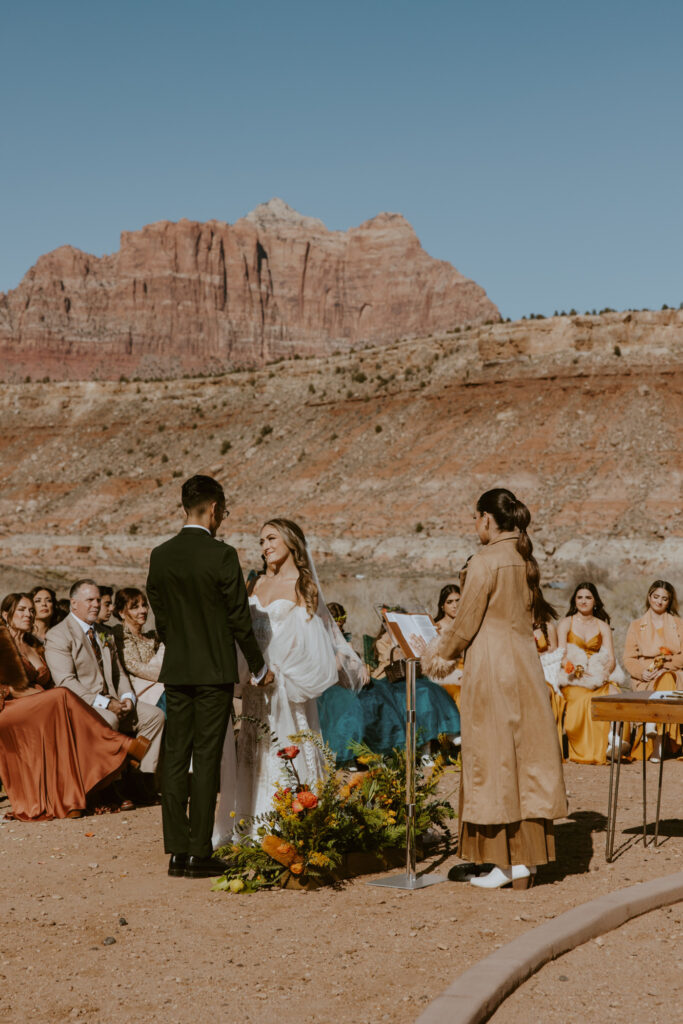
403 625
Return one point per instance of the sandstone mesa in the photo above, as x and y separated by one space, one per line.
202 297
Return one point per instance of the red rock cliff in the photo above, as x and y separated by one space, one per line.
190 296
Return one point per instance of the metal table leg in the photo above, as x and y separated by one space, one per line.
644 788
665 729
613 795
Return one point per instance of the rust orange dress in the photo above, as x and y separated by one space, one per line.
54 749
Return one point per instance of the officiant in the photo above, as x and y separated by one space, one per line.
512 785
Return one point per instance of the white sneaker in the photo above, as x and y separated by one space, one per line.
518 875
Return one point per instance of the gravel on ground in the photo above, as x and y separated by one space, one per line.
347 955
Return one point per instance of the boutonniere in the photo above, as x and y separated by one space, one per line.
107 640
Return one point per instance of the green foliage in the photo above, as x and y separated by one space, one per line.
312 829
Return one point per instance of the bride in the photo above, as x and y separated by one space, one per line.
307 654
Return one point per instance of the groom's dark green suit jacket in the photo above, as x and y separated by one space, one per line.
199 599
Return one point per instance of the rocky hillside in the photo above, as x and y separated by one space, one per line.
380 454
190 297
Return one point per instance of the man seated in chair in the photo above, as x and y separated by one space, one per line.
83 657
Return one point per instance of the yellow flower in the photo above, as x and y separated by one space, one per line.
232 814
235 885
319 860
241 821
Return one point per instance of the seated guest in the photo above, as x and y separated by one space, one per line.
86 661
436 712
64 607
142 653
550 653
653 655
340 709
54 750
449 599
47 613
588 669
106 604
19 615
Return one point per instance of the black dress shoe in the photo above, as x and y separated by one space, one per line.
177 865
204 867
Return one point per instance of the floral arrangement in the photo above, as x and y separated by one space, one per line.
574 671
308 831
659 661
106 639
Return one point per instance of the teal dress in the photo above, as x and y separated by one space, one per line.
435 711
369 716
376 716
341 721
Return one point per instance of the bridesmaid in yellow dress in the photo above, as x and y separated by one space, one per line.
588 667
653 655
545 635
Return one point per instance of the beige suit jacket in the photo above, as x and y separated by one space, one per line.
73 663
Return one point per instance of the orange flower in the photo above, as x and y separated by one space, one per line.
665 650
568 667
283 853
296 868
308 799
288 753
297 806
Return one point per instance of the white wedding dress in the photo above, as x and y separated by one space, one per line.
302 657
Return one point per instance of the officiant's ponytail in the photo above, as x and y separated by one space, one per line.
294 538
511 514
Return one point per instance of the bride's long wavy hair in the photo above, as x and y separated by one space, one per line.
294 538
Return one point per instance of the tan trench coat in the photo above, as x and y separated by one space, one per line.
511 764
642 646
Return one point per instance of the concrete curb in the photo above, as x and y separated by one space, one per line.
477 994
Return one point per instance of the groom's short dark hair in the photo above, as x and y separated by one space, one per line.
200 491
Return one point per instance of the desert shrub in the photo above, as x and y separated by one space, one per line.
225 447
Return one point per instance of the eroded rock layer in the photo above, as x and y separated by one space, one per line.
201 297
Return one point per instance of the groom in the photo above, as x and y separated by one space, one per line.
200 604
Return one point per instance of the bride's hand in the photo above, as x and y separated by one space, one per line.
267 679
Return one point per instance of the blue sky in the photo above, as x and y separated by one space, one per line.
535 145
